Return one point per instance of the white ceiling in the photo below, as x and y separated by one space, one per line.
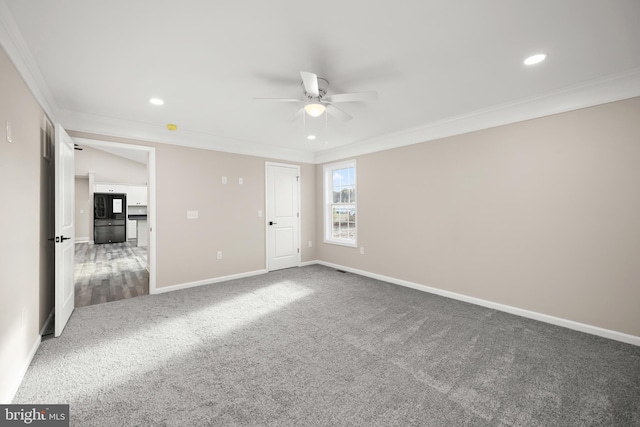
134 155
440 67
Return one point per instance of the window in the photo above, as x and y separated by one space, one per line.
340 203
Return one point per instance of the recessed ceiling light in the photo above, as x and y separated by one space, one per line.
535 59
311 137
156 101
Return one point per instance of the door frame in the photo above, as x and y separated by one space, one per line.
266 204
151 203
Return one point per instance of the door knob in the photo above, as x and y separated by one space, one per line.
272 223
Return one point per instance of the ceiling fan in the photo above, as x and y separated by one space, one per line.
316 102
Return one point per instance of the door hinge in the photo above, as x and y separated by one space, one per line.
298 250
297 178
298 214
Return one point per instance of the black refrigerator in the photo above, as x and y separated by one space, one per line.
109 218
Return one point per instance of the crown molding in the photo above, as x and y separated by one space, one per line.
13 43
611 88
119 128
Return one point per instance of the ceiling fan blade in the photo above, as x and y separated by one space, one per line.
353 97
310 82
279 99
338 113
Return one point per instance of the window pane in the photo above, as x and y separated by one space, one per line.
344 177
347 176
341 209
344 221
339 177
344 195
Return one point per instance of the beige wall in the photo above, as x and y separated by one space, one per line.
24 222
308 212
542 215
190 179
109 168
83 209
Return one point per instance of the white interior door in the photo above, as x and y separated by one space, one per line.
283 216
64 228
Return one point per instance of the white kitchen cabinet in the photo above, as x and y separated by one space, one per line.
131 229
137 196
103 188
136 204
111 188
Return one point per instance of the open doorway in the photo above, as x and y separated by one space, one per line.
114 250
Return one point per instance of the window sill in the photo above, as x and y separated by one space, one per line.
341 243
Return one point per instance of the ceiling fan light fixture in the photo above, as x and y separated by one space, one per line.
315 109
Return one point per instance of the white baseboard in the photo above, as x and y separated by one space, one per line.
82 240
570 324
206 282
306 263
13 383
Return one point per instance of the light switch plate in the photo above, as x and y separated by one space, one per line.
240 181
192 214
224 179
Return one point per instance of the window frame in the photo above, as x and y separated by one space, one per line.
328 171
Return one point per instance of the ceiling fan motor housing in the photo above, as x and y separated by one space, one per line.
323 85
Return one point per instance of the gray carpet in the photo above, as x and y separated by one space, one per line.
314 347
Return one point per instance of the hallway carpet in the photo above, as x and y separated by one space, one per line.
315 347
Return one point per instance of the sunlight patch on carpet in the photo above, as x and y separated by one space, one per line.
108 364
